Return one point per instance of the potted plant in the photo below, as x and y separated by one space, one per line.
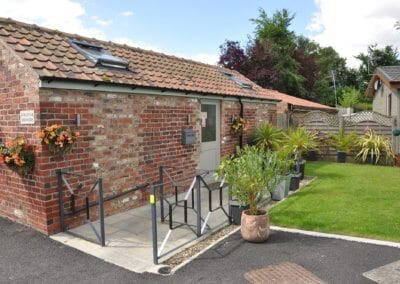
18 155
60 139
239 125
267 136
251 174
284 165
373 147
343 143
299 141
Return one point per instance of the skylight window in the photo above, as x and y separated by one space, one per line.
238 81
99 55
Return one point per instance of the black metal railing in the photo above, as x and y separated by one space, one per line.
74 194
77 193
191 201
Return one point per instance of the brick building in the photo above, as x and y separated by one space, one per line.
130 106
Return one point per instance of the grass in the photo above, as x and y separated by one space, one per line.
349 199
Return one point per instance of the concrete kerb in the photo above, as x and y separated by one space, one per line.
336 236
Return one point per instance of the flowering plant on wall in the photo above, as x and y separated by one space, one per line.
239 125
18 155
60 139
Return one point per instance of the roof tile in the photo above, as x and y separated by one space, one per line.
50 54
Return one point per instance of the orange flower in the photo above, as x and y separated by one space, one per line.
10 144
77 134
41 134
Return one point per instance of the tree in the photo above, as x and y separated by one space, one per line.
279 59
373 58
274 32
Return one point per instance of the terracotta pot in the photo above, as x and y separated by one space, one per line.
255 228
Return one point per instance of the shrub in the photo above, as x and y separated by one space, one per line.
60 139
251 174
375 147
343 142
267 136
18 155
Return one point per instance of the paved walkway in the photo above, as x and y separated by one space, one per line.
129 234
28 256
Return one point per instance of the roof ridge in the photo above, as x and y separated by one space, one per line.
77 36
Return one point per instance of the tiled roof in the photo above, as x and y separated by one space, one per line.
392 73
296 101
51 55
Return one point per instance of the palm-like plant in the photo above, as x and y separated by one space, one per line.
267 136
374 146
299 141
343 142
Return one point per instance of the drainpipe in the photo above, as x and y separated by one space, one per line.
241 116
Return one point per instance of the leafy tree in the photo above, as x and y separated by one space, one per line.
350 97
274 32
373 58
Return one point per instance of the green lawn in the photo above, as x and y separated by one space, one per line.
349 199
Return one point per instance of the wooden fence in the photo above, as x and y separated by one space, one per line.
358 122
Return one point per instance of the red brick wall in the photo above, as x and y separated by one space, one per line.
22 198
254 113
127 136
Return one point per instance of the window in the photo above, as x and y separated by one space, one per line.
238 81
389 105
99 55
209 128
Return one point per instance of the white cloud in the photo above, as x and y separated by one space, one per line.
101 22
201 57
66 15
63 15
351 25
127 13
140 44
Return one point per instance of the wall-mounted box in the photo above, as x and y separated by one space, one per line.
188 136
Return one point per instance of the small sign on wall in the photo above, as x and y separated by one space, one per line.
27 117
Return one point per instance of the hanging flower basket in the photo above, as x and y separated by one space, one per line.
239 125
60 139
18 155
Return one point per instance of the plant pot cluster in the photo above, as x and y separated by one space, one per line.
265 168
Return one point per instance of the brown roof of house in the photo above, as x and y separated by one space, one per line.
387 74
51 55
297 101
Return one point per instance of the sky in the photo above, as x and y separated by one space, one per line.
196 28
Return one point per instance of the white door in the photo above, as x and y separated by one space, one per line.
210 135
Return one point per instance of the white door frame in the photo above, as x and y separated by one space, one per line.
205 146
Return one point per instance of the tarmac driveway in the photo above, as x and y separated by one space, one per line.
28 256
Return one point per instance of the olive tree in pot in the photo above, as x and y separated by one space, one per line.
343 143
299 141
251 175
